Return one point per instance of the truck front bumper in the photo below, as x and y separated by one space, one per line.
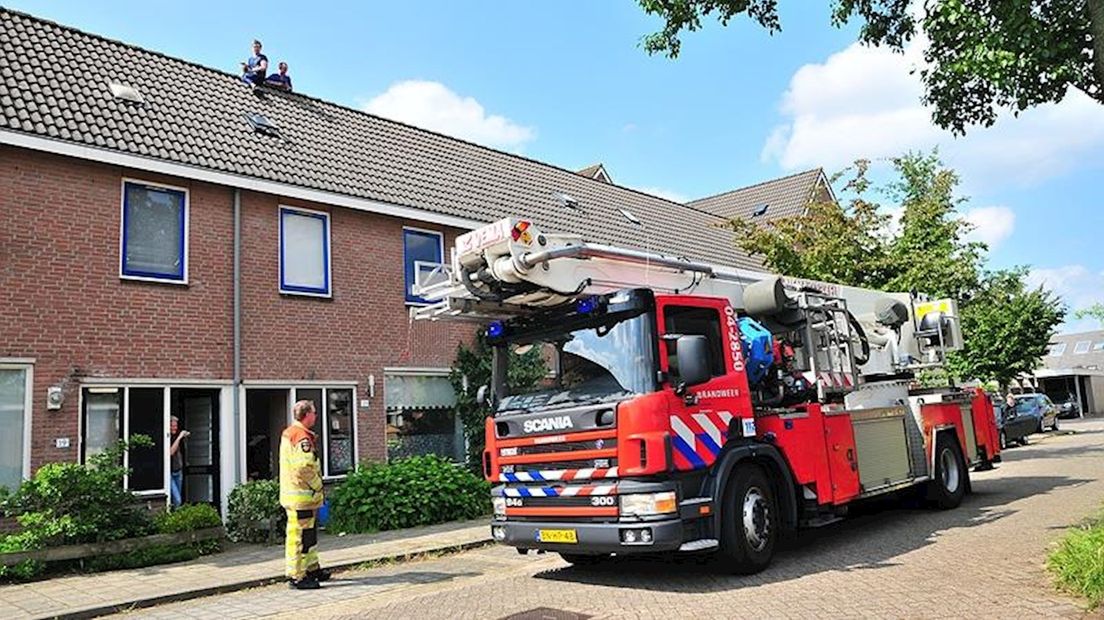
592 538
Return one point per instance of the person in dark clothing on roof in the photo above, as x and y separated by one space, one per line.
281 80
255 67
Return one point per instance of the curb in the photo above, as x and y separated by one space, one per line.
176 597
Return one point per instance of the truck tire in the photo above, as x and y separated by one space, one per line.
582 559
951 480
749 521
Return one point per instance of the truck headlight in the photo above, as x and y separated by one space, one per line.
648 504
499 504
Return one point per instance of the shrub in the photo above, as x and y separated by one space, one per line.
69 503
187 518
420 490
252 506
1078 562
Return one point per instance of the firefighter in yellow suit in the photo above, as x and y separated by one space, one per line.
301 496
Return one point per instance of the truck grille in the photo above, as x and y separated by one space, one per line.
558 465
570 446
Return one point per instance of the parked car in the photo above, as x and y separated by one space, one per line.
1033 413
1069 408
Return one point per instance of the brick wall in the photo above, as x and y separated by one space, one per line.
62 301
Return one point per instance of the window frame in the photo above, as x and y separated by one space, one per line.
185 220
326 291
1077 347
409 298
1058 349
27 366
124 429
322 410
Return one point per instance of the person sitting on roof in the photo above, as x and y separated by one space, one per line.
281 80
255 67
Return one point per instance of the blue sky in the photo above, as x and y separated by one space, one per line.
567 83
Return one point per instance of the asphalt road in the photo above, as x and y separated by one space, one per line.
983 559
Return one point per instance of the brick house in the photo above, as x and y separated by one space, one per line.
173 243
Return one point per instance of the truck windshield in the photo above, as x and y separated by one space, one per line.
595 364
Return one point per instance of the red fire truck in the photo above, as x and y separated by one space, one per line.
697 409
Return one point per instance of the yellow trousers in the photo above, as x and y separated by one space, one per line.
301 545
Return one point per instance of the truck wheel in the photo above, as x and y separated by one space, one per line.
582 559
749 523
950 483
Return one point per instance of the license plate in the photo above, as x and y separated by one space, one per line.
557 536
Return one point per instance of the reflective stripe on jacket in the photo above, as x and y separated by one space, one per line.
300 472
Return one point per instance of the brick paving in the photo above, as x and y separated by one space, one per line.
984 559
245 566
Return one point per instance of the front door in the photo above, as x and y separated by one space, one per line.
198 413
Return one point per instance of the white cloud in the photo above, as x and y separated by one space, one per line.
864 102
992 225
1077 285
671 195
434 106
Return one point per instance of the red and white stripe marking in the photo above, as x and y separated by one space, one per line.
561 475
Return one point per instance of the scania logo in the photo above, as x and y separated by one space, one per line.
547 424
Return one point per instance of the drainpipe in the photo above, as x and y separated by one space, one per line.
237 338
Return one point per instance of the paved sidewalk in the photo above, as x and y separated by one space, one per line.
84 596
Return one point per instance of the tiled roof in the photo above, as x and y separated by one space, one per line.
784 197
1090 357
194 115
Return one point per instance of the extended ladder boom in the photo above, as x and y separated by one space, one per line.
511 268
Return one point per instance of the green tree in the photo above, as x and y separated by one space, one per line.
1006 326
1095 311
982 56
524 370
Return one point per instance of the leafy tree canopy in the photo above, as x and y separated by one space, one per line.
981 56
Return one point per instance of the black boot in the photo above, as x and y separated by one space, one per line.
320 574
306 583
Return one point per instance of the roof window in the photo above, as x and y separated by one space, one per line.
126 93
1056 350
1082 346
262 125
760 210
566 200
1099 346
628 215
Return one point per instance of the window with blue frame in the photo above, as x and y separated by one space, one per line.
422 250
304 252
155 233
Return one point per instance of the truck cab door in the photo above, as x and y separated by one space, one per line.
700 417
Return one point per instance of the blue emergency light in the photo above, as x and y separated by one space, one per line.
495 329
586 305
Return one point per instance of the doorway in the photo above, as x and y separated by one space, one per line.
266 416
198 412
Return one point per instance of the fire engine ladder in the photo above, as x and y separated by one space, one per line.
591 269
827 335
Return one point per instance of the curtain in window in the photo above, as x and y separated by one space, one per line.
101 422
154 241
303 251
12 403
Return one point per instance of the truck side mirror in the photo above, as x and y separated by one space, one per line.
693 360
